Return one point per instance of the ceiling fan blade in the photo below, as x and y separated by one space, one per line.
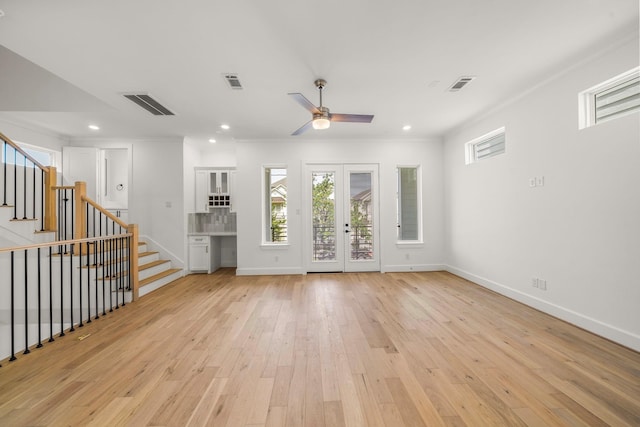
305 127
354 118
300 99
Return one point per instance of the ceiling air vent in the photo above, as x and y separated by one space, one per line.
460 83
145 101
232 80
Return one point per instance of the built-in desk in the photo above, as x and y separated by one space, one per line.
208 251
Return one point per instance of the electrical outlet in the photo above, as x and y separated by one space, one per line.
532 182
540 181
542 284
534 282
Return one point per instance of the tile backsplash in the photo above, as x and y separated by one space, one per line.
219 221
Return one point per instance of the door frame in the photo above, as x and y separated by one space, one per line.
343 262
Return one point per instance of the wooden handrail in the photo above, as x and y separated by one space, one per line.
64 242
21 151
105 212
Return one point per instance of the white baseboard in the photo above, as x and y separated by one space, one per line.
411 268
620 336
268 271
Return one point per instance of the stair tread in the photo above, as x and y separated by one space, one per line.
143 254
158 276
152 264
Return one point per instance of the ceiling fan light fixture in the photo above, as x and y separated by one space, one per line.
321 123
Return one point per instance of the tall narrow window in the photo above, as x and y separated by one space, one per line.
408 204
275 207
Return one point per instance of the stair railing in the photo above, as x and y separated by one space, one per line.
80 217
47 293
107 224
23 188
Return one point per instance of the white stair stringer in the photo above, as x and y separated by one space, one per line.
153 270
174 274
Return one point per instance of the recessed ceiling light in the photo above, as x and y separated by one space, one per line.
213 141
406 127
225 127
94 127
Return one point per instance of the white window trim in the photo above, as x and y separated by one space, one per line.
264 243
420 240
469 155
586 98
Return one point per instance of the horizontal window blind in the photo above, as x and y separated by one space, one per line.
617 100
489 147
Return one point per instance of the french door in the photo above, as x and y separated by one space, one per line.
341 217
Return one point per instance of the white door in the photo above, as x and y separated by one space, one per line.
342 213
81 164
113 179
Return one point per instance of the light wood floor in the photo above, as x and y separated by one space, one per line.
395 349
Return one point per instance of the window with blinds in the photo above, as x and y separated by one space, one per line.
618 100
611 99
486 146
408 204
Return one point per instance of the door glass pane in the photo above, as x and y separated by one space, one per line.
361 213
323 211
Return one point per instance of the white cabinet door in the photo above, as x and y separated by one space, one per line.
199 257
202 191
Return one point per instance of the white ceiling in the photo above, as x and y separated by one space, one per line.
67 62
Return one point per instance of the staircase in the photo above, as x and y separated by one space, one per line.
153 272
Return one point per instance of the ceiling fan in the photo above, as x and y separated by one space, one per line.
322 118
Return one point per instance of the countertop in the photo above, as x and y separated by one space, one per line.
213 233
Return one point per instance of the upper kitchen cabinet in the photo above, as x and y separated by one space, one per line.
213 189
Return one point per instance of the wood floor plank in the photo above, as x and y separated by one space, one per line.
362 349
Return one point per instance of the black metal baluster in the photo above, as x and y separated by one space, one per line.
51 294
73 214
109 244
122 268
24 187
117 270
59 212
61 293
26 305
39 303
15 183
34 190
71 289
89 282
80 285
65 218
13 338
95 257
4 167
102 267
42 199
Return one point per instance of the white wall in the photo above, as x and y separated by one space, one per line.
580 231
156 200
253 155
26 135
